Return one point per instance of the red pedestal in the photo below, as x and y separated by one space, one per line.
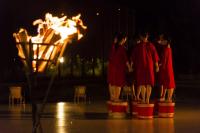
109 105
145 111
117 109
166 110
134 108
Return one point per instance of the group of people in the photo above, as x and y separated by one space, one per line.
145 61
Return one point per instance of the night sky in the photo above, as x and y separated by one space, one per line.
179 18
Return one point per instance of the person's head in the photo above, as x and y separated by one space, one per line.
164 39
121 38
136 39
144 36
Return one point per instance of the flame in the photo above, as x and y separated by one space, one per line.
54 32
61 26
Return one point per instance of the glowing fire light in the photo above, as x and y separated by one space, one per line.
54 33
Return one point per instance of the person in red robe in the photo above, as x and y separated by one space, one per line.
166 73
144 59
117 66
131 72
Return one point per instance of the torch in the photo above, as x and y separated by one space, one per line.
39 52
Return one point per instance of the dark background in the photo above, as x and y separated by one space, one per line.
179 18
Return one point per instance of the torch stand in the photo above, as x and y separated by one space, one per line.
36 112
32 85
43 52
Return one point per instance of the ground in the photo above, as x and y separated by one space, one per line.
68 117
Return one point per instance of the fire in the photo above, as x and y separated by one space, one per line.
54 33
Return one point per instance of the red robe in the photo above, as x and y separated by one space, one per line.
144 56
117 66
166 73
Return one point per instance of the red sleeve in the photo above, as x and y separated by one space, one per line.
165 57
124 54
111 52
154 53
